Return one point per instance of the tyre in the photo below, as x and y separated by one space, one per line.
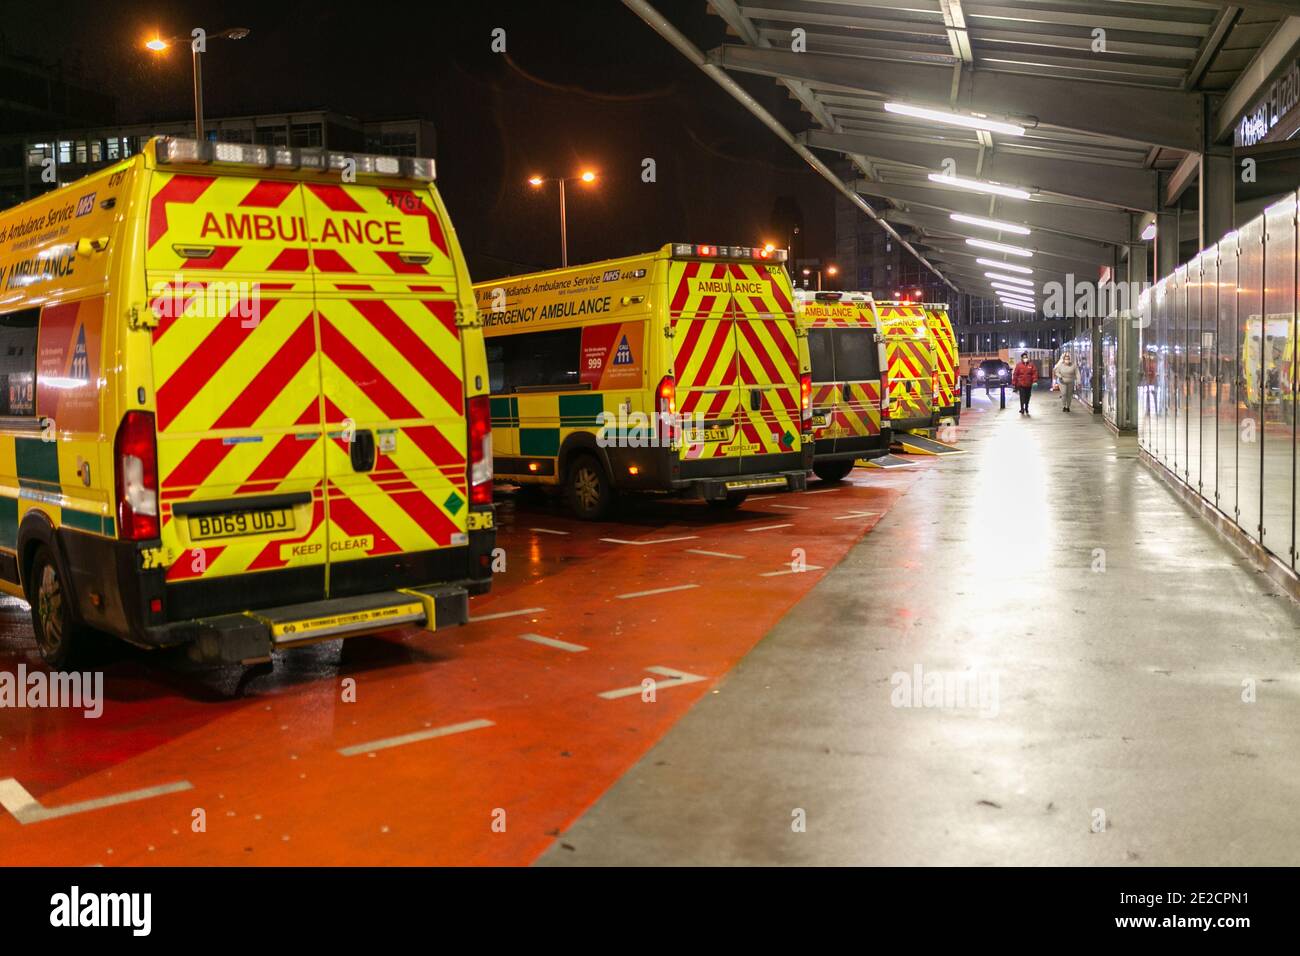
729 503
62 640
833 470
587 488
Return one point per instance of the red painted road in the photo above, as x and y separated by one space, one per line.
261 749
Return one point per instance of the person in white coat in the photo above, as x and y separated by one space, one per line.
1067 373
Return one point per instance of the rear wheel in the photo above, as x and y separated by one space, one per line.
61 639
587 488
729 503
833 470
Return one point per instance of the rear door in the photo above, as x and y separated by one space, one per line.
857 365
704 360
236 379
767 359
391 367
907 353
825 386
945 354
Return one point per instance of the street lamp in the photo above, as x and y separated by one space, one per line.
198 42
586 176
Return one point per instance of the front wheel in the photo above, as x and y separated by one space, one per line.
587 489
833 470
59 637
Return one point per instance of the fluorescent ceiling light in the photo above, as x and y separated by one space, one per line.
1018 307
965 120
999 247
1149 232
979 186
1028 302
997 224
1015 280
1006 266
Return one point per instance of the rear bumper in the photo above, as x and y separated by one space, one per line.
231 638
906 424
716 489
865 447
120 587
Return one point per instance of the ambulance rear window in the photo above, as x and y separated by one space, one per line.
856 357
18 362
819 351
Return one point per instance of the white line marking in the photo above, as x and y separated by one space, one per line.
685 537
547 531
715 554
770 527
386 742
822 491
777 574
500 614
553 642
635 594
791 507
676 678
759 497
27 809
857 514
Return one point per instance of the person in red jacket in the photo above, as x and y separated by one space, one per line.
1023 379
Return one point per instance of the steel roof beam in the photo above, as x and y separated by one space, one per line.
1168 117
1101 225
1112 185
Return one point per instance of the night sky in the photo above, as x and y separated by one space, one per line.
582 84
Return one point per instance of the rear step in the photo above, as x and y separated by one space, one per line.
922 445
888 461
252 635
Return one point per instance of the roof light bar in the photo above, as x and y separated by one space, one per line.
1000 247
996 224
1006 266
705 250
979 186
965 120
172 149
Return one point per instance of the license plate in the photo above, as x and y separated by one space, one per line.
268 521
819 421
708 434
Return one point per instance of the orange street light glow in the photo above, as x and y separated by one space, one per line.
156 44
588 177
535 180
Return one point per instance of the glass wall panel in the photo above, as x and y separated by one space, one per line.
1250 434
1228 376
1109 394
1177 371
1162 371
1146 370
1278 392
1209 368
1192 370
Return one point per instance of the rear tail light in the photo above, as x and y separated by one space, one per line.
480 450
667 409
805 399
135 454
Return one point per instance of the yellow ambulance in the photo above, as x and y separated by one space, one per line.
678 372
943 348
244 403
850 400
909 365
